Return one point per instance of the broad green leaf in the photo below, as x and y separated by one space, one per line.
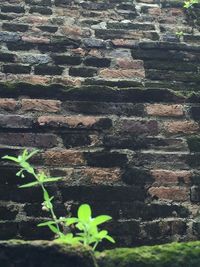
28 185
84 212
102 234
70 221
101 219
80 226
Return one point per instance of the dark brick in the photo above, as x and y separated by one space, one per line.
29 139
48 70
102 193
14 9
85 107
8 230
6 57
15 121
195 194
62 40
131 26
82 72
194 143
137 176
9 37
20 46
39 2
105 159
41 10
76 139
16 69
48 28
15 27
68 60
29 230
63 2
195 113
125 141
8 212
97 62
52 48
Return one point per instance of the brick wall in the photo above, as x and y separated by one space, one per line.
110 95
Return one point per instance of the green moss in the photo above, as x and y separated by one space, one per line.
194 143
169 255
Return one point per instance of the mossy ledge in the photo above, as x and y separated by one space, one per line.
44 253
168 255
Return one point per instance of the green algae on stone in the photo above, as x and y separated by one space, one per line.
169 255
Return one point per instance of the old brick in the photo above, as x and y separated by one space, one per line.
166 177
170 193
177 127
41 10
121 74
9 37
7 57
48 70
15 27
16 69
105 159
128 63
36 40
76 139
138 126
15 121
68 60
101 176
29 139
9 104
97 62
41 105
63 157
75 122
164 110
82 72
12 8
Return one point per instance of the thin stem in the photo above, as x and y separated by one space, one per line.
95 245
52 212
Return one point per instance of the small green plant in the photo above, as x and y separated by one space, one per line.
179 34
190 3
88 232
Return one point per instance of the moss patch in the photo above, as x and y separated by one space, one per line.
170 255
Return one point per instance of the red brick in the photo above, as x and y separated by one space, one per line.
73 121
164 110
63 157
127 63
166 177
37 79
41 105
122 73
104 176
36 40
186 127
8 104
170 193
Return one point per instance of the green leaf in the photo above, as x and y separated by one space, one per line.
84 212
70 221
46 196
53 229
46 223
102 234
101 219
32 153
49 180
28 185
109 238
11 158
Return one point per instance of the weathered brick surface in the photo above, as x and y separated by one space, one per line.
110 95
